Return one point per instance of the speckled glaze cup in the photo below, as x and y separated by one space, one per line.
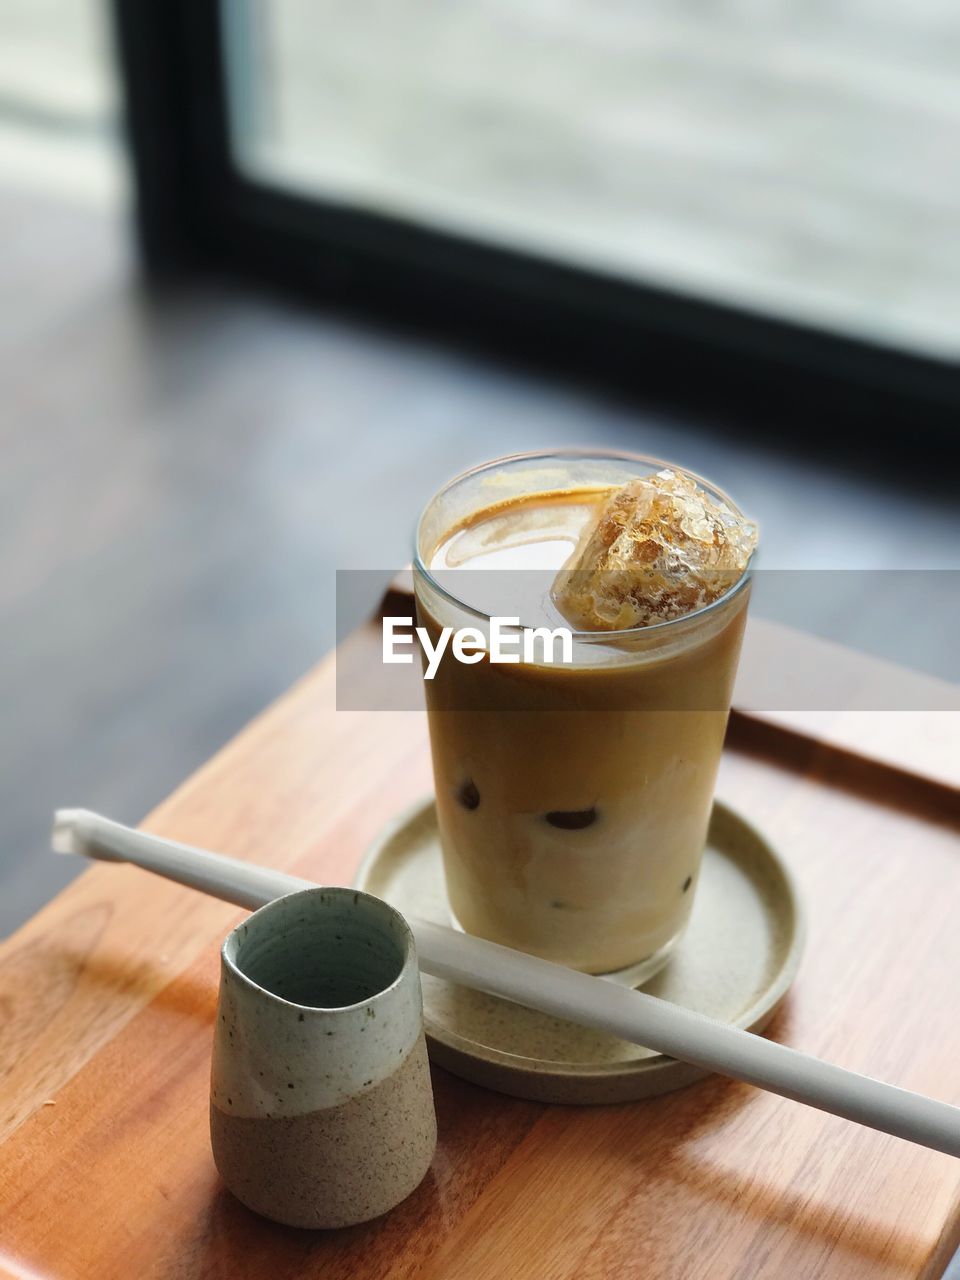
321 1108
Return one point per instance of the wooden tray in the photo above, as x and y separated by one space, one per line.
107 998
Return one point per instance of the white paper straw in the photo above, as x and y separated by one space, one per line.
538 984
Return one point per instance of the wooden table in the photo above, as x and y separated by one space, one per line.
107 998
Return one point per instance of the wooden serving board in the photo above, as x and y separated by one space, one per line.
107 998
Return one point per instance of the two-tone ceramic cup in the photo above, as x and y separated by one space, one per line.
321 1108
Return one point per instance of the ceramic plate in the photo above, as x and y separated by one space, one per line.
735 962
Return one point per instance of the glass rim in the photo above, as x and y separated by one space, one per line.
614 455
233 943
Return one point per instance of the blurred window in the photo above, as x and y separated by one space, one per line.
58 98
791 158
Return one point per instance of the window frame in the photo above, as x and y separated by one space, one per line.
196 211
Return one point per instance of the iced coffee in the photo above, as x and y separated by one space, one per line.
573 797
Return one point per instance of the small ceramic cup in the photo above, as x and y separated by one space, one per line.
321 1108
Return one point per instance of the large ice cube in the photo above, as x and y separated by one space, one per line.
658 548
